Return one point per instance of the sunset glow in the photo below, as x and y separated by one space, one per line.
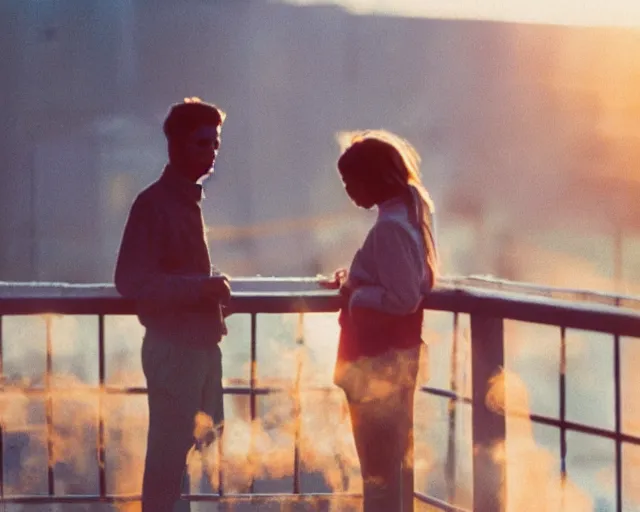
567 12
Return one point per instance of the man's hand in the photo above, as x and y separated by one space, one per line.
217 289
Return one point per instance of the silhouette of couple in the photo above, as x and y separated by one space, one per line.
164 265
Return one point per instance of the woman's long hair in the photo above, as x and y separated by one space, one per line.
398 166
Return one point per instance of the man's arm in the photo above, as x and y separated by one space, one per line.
138 274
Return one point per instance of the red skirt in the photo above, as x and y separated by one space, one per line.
367 332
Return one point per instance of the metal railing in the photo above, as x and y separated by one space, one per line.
488 309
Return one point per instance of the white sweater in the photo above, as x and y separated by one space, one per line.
389 272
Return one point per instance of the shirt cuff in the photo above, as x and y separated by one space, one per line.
367 296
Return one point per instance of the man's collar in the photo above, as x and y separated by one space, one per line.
181 185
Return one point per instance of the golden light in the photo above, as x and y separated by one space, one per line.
567 12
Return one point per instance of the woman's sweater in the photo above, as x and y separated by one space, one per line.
389 276
389 272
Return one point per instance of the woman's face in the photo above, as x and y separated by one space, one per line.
357 190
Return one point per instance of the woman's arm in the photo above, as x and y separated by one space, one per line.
400 268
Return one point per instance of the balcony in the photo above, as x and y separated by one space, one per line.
286 447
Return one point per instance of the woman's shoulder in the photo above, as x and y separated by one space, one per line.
394 231
393 225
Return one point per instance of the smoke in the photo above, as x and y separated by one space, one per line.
534 365
630 359
302 415
531 470
293 357
62 427
74 444
296 358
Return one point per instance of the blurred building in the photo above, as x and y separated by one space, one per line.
491 107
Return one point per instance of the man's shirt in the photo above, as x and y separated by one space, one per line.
164 259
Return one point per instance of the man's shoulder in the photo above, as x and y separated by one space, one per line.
149 196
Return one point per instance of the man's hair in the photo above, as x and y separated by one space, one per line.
189 115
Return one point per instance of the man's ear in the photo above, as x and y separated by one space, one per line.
174 148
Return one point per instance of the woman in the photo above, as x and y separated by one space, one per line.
381 321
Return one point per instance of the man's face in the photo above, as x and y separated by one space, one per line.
200 150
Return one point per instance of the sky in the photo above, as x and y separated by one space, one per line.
563 12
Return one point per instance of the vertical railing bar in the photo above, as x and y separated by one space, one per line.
451 446
618 419
1 356
562 389
562 383
101 431
220 447
252 396
49 404
1 423
220 462
297 408
490 484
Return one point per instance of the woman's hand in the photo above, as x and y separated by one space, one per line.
346 286
339 282
335 283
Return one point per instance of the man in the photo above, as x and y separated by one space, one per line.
164 265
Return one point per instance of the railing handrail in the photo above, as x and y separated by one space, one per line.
559 292
284 295
487 304
293 284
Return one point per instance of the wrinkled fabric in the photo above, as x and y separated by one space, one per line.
163 261
389 273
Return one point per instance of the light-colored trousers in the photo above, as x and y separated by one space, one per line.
181 382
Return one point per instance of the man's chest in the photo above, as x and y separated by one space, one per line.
184 247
